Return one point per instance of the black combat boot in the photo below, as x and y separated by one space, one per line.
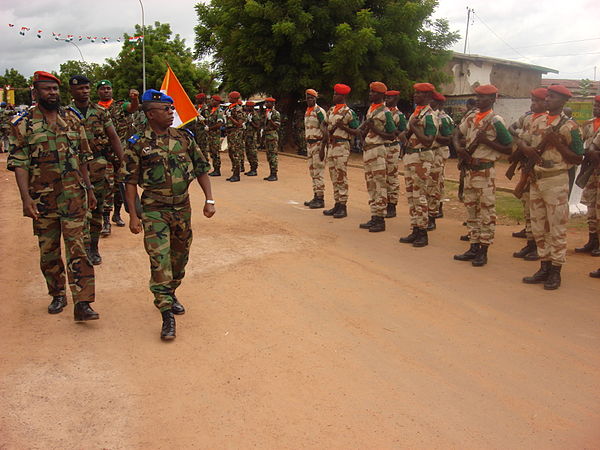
167 331
271 177
520 234
235 177
411 237
431 224
317 203
83 311
595 252
105 231
331 212
541 275
378 224
481 257
57 304
465 237
242 168
595 274
308 202
94 254
422 239
440 213
116 218
341 212
530 247
469 255
590 245
369 224
177 307
252 172
391 211
553 280
215 173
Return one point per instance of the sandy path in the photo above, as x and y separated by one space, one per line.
301 331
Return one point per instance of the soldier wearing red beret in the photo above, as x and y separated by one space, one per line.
555 147
341 125
214 122
199 125
315 133
393 152
590 197
271 132
486 140
250 138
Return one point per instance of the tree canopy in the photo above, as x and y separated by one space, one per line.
283 47
13 78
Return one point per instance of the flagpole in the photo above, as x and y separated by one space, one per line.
143 48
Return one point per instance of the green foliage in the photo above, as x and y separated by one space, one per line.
94 72
585 87
283 47
13 78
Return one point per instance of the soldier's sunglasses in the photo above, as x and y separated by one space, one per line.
164 108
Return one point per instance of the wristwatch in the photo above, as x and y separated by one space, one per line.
210 202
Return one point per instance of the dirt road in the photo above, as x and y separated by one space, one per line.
301 331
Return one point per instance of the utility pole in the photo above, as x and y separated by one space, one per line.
143 48
469 11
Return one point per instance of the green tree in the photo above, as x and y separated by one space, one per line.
585 87
94 72
13 78
284 47
125 71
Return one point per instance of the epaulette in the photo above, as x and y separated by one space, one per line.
77 113
19 117
188 131
134 139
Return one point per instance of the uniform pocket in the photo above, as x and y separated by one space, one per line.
153 169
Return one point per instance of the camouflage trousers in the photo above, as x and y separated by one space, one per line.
202 141
392 156
480 202
337 161
416 176
272 147
549 199
214 148
250 149
376 177
235 147
435 186
80 271
316 168
591 199
526 201
113 197
167 240
102 189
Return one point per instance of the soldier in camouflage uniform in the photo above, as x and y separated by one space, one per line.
105 146
299 133
122 114
418 161
49 154
315 128
590 196
593 154
199 125
556 146
521 130
378 129
393 152
234 126
271 128
250 138
441 153
164 161
486 140
342 124
214 122
6 115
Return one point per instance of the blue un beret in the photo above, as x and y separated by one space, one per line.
152 95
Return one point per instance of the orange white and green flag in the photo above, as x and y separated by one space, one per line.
185 111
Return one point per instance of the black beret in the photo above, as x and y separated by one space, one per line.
76 80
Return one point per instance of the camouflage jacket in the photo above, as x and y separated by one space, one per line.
589 130
215 116
382 120
494 128
52 154
122 120
252 118
270 131
551 158
314 118
164 166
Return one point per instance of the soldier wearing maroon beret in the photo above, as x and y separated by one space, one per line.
393 152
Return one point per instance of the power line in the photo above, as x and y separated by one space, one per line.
562 42
570 54
495 34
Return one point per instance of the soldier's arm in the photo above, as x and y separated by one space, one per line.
135 224
29 207
425 135
115 142
18 162
503 141
134 101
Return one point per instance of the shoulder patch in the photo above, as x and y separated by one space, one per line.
188 131
15 120
134 139
77 113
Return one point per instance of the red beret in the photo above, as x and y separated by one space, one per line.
424 87
438 97
597 98
560 89
312 92
486 89
378 86
270 99
249 103
217 98
234 94
341 89
539 93
44 76
392 93
200 96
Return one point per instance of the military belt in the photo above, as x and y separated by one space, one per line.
167 199
547 174
391 144
370 146
481 166
336 140
410 151
314 141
